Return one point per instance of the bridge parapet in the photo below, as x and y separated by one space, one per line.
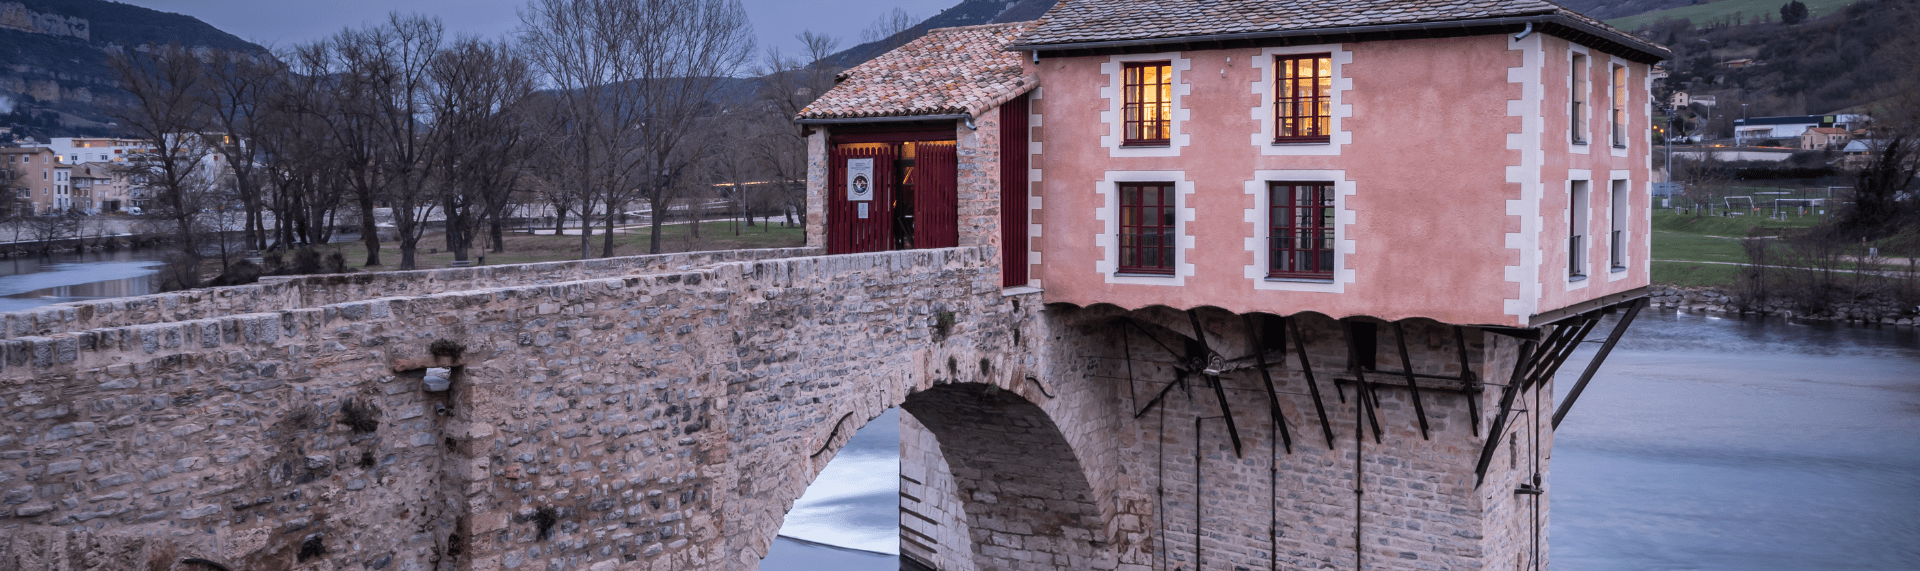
282 293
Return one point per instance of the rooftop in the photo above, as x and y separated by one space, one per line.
1081 22
949 71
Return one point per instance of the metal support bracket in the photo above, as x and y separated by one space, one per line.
1633 309
1273 397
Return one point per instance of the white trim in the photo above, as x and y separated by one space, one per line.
1530 144
1263 107
1579 148
1034 172
1176 138
1566 217
1343 243
1625 179
1108 240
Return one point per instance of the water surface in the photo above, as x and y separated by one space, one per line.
1742 445
27 282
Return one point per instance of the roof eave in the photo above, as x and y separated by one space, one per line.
1631 47
882 119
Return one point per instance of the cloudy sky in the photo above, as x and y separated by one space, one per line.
281 23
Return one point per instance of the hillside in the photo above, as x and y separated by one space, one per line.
1723 11
53 59
966 13
1851 57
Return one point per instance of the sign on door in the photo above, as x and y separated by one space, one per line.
860 180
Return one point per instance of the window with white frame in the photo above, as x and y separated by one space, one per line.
1577 231
1578 99
1617 240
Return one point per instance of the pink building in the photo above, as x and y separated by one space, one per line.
1445 193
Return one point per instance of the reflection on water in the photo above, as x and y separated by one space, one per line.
854 503
1750 445
32 281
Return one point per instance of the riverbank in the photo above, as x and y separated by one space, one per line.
1883 310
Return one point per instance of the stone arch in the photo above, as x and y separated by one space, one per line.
1024 492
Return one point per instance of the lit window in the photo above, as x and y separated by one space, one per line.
1148 103
1619 106
1146 227
1301 224
1303 102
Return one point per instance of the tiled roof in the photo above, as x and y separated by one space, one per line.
1076 21
948 71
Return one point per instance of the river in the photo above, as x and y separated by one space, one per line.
27 282
1704 443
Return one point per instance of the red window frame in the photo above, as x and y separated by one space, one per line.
1147 228
1147 103
1303 98
1300 217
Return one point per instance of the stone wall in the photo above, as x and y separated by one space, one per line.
667 415
1882 309
664 420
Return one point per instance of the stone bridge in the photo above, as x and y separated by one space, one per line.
663 412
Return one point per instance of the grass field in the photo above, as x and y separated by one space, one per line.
1694 275
1702 14
1730 226
523 248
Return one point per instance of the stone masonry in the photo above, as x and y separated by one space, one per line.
663 412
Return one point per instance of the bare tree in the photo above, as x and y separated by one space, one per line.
637 79
398 85
233 93
887 29
350 125
166 108
787 85
479 87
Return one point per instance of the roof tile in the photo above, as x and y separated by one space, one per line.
948 71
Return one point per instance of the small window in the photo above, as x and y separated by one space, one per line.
1148 103
1147 228
1301 230
1619 111
1303 101
1618 225
1579 99
1577 231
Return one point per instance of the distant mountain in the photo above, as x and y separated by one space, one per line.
53 59
966 13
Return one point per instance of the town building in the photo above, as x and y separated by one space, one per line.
76 150
1376 183
1753 129
1822 138
34 183
102 187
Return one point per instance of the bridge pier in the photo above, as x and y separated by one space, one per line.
1157 446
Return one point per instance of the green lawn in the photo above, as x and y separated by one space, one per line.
1703 14
1692 247
1694 275
1664 219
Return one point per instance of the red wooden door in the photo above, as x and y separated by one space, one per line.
936 203
849 230
1014 190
